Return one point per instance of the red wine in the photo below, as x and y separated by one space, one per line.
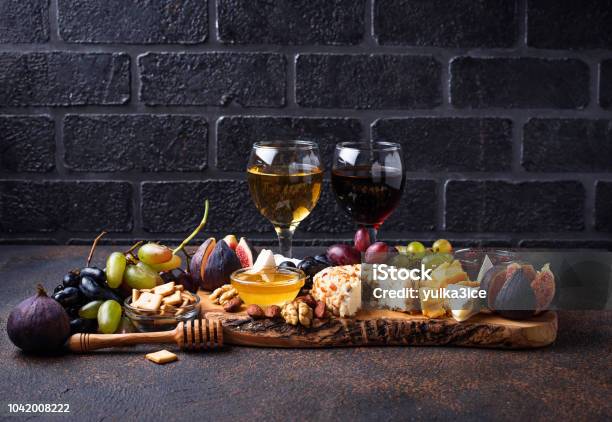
368 194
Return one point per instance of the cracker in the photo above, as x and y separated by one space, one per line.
173 299
148 302
164 289
161 357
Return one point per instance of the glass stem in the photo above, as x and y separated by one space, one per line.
285 238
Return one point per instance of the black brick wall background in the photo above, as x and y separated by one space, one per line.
124 115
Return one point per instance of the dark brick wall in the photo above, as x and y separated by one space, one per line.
125 115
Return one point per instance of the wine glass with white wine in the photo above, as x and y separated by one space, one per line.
285 179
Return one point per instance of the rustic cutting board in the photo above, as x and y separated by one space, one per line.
385 328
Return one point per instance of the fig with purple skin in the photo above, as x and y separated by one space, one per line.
199 260
231 241
342 254
39 324
221 263
492 282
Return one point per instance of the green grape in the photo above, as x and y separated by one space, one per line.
115 267
173 264
141 276
402 261
433 260
442 245
416 248
150 271
109 316
90 310
153 253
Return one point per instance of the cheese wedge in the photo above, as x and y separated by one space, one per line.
462 308
431 305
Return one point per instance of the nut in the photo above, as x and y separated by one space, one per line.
319 311
307 299
255 312
223 294
290 314
233 305
273 312
226 296
305 314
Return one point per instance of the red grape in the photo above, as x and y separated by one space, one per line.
342 254
362 239
377 253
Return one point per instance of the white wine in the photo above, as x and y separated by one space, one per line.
285 196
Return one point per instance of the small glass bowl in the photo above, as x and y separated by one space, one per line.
147 321
266 293
472 258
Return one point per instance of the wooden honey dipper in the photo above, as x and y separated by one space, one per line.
193 335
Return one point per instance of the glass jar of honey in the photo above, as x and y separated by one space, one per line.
270 286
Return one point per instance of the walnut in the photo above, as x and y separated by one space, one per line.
305 314
223 294
290 313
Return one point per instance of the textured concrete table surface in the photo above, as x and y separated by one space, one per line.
570 379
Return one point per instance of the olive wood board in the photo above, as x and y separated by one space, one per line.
385 328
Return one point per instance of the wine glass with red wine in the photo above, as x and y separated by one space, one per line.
368 181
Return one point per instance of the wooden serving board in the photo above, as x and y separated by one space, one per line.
385 328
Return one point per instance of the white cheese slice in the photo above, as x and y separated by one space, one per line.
265 261
486 266
463 308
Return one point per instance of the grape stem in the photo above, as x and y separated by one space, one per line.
93 247
181 247
133 247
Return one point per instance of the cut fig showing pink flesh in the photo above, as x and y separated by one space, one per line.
245 253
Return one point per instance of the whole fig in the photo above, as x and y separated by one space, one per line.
39 324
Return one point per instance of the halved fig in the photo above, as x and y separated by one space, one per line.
221 263
231 241
516 299
246 253
528 271
492 282
543 286
199 260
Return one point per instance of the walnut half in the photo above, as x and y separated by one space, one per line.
290 313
